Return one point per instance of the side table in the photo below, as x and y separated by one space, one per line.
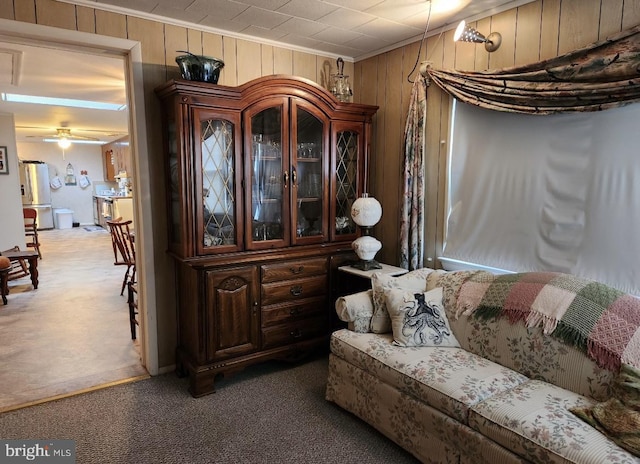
354 280
31 256
5 267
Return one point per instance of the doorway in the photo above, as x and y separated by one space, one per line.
18 32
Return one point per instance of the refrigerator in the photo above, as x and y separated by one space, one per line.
36 191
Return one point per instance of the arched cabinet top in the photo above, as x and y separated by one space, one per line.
255 90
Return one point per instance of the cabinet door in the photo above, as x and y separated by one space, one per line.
233 320
218 200
309 173
347 179
109 158
267 173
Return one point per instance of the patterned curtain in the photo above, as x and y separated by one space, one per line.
603 75
412 208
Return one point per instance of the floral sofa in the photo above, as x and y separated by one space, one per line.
498 390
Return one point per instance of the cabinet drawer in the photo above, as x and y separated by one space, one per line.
294 332
292 290
284 313
293 269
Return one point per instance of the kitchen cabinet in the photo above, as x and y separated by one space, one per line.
116 158
261 179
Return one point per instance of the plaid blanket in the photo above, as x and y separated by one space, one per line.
599 320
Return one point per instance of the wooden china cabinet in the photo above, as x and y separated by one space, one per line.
261 179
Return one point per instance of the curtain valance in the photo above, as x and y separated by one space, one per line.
603 75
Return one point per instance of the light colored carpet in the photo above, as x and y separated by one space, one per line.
72 333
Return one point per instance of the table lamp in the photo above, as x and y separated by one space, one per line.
366 211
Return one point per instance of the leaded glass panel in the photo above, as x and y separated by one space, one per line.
218 173
346 180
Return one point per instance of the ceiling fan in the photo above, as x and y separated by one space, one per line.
64 137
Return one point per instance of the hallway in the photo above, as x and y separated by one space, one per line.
71 334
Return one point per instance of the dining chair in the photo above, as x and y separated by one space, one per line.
132 301
31 228
123 250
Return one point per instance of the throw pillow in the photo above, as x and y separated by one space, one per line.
619 416
414 281
419 319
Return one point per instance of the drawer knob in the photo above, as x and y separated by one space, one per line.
296 333
294 311
296 290
296 270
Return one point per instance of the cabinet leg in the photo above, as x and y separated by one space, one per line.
201 384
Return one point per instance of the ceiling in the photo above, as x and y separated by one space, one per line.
352 29
53 73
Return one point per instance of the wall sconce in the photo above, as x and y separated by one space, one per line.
466 33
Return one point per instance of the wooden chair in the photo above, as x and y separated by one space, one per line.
132 301
31 228
123 250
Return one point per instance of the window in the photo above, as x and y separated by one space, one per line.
558 193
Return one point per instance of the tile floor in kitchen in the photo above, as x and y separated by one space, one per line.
72 334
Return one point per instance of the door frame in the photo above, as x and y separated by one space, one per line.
131 52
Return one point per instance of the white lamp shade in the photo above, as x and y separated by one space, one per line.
366 211
366 247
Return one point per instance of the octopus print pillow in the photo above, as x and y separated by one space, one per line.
419 319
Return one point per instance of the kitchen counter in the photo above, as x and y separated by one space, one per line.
111 197
123 208
116 207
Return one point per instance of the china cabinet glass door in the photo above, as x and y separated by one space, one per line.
308 176
217 166
269 176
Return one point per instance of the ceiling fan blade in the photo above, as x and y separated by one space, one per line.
65 133
81 137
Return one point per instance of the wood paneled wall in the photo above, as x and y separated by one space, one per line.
536 31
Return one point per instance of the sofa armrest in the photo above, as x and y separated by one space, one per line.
356 310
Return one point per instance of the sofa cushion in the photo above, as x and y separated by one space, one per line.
380 283
418 319
533 420
450 380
